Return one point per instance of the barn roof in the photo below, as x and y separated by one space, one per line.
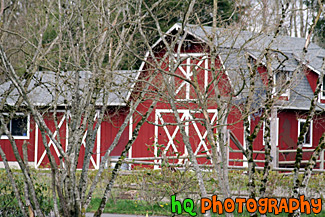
232 44
44 84
257 42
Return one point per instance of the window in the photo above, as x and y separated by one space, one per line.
322 96
308 137
276 130
18 127
280 79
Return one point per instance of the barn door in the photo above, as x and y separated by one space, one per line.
168 139
40 153
194 66
41 158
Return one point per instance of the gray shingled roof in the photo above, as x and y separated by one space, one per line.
256 42
243 42
44 84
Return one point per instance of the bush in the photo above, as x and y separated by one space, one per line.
8 202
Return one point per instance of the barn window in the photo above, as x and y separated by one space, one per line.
280 80
277 130
323 89
308 136
18 126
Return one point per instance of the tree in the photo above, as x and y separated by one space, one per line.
82 44
81 47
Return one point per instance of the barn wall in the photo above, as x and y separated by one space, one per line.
258 144
236 126
288 133
7 148
36 150
144 145
312 78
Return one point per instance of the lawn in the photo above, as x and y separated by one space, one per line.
142 208
148 192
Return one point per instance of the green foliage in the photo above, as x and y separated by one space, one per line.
319 37
320 32
8 202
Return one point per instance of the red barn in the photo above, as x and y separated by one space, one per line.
235 51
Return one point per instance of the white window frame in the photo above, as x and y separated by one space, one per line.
311 132
245 163
322 92
277 134
28 128
287 92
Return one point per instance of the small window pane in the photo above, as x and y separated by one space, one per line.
280 79
307 137
19 126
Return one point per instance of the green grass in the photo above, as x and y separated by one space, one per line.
142 208
153 187
131 207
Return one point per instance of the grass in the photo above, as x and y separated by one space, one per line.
131 207
153 187
143 208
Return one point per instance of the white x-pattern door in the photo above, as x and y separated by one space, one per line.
168 139
39 147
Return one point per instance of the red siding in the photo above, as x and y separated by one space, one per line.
236 126
288 130
7 148
109 129
312 78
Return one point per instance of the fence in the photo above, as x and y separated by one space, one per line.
279 163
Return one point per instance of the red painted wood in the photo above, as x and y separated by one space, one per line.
312 78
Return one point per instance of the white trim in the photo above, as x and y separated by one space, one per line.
311 132
313 69
277 129
263 133
292 107
14 164
175 26
112 104
28 127
156 138
306 64
130 134
245 162
137 76
36 146
98 144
